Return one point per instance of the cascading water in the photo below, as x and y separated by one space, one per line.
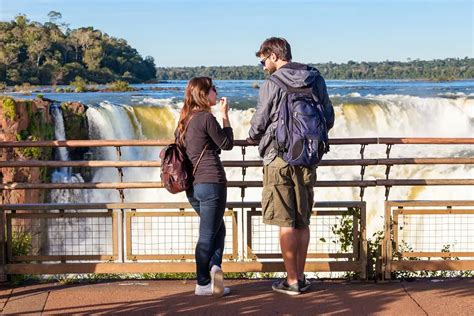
386 115
356 116
64 174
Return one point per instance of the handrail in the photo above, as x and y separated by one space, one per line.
233 184
233 163
334 141
151 205
157 184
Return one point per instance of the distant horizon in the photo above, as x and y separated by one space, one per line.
359 62
184 33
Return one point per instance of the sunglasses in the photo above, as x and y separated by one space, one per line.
262 62
214 88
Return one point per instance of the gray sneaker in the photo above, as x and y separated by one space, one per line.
304 284
285 288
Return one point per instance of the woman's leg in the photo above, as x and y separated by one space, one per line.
219 239
212 206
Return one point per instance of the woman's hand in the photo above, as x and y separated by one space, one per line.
224 107
225 111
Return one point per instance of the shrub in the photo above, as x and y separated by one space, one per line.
8 107
80 84
120 86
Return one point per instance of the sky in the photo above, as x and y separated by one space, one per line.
228 33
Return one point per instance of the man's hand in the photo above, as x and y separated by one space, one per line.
252 141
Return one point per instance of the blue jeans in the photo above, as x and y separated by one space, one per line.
208 200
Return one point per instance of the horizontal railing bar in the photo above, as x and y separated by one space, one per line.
423 254
63 257
431 265
333 141
426 141
231 163
438 203
434 212
154 267
320 255
416 182
232 184
425 161
157 185
161 205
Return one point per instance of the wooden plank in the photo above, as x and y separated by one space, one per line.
416 182
169 205
439 254
314 255
432 265
442 203
3 248
172 267
170 257
9 236
80 163
157 185
355 236
426 141
436 212
425 161
235 238
61 215
387 242
243 143
63 257
226 163
114 233
395 228
128 234
363 246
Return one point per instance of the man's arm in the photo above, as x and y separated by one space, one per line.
323 96
261 118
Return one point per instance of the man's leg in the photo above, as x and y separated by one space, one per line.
289 250
302 249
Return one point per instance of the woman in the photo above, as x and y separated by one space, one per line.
204 138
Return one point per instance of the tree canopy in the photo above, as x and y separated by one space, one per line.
51 53
440 69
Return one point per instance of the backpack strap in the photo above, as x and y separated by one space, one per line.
199 160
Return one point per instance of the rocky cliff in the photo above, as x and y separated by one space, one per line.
31 120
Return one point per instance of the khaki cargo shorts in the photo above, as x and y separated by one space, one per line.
288 195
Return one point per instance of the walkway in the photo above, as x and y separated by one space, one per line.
148 297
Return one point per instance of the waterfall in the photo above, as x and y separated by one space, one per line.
64 174
356 116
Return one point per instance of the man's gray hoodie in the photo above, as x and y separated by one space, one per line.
264 121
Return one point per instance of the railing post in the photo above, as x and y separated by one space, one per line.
363 242
3 252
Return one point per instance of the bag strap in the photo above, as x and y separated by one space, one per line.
199 160
202 152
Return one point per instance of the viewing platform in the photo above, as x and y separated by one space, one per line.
249 297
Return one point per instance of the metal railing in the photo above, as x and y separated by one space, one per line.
244 253
421 235
145 240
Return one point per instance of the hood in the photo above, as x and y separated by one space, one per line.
297 75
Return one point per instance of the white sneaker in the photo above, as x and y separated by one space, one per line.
217 282
203 290
206 290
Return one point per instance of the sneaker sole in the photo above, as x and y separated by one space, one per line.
218 283
286 292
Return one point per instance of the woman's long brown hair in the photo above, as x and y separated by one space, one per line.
195 100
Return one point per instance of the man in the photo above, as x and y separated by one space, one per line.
287 196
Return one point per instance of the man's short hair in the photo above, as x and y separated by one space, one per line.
277 45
